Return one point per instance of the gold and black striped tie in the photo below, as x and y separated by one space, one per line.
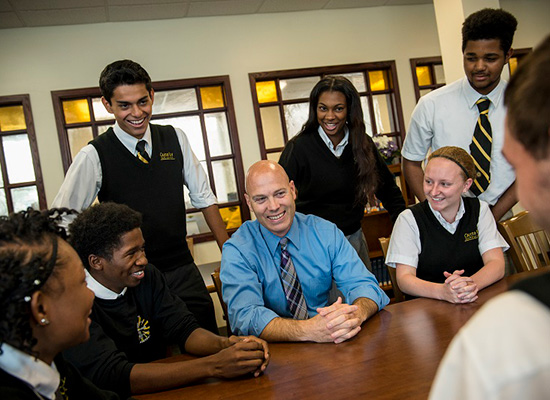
142 153
480 148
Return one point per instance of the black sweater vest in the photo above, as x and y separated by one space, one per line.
443 251
154 189
536 286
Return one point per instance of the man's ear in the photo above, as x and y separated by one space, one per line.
107 105
508 55
247 198
95 262
152 94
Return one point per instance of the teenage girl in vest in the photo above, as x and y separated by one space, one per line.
335 165
447 247
44 309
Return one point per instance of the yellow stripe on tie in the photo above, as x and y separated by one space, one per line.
484 131
142 159
488 157
481 170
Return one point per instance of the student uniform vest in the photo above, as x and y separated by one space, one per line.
443 251
154 189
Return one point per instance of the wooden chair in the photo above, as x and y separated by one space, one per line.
218 285
397 293
529 244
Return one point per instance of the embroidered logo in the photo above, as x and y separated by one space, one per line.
168 156
62 389
471 236
143 329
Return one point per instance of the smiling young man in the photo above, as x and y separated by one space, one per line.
277 271
448 116
135 315
114 167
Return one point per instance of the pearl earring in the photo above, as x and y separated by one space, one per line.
44 321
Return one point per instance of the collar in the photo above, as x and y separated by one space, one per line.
443 221
473 95
328 142
272 240
42 378
100 291
130 142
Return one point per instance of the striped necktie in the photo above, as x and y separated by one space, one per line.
142 153
291 284
480 148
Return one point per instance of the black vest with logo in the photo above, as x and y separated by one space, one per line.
537 286
154 189
443 251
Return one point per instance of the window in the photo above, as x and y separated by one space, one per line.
281 100
427 75
21 183
517 57
202 108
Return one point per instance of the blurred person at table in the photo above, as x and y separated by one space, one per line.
277 271
447 247
335 165
135 316
503 351
44 309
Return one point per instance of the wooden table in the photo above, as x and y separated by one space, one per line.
395 356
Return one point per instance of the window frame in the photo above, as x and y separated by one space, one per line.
364 68
192 83
24 101
429 62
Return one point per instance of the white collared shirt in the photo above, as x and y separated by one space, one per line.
339 149
41 377
100 291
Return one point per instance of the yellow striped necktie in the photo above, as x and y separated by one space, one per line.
142 153
480 148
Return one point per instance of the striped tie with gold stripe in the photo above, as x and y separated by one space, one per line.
480 148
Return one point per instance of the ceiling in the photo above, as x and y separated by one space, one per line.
31 13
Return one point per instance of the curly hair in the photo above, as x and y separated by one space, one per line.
487 24
527 98
28 262
363 148
98 229
460 157
122 72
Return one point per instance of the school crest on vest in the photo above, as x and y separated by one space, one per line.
471 236
143 329
167 156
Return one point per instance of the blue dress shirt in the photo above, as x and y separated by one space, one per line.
251 279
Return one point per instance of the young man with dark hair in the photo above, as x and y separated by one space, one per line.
145 166
135 316
503 351
448 116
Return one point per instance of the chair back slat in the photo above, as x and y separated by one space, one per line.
397 293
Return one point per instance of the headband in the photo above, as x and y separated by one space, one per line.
453 160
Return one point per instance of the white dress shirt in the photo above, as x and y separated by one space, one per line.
339 149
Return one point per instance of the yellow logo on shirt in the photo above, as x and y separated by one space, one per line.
144 330
167 156
471 236
63 389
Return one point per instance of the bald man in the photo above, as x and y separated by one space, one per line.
282 300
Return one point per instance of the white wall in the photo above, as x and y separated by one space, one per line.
36 61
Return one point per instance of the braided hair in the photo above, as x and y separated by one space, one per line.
28 259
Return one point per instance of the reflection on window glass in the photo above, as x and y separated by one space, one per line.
382 113
100 112
366 115
439 74
513 62
231 216
196 224
224 180
212 97
191 126
218 134
423 75
76 111
358 80
295 117
266 92
274 156
424 91
24 197
3 203
78 138
272 127
378 80
102 129
12 118
17 152
297 88
169 101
